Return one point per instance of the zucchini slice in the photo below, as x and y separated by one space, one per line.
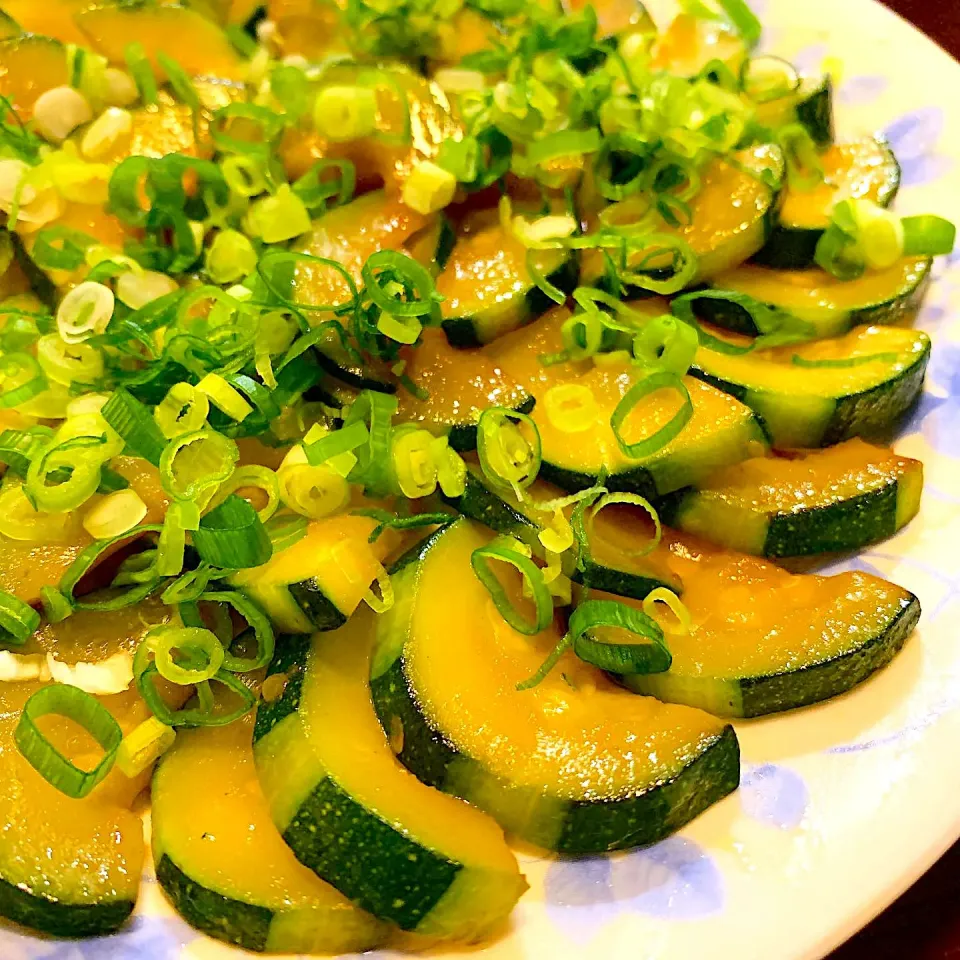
613 565
222 863
71 868
730 220
815 501
868 380
29 67
52 18
831 306
487 287
810 105
721 431
349 811
865 168
201 47
318 582
764 640
547 762
459 385
8 26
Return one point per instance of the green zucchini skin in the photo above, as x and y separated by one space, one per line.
316 606
759 696
871 414
57 918
466 332
233 921
569 827
463 436
896 309
815 113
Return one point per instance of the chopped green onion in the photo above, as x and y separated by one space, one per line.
344 440
232 535
196 463
533 580
597 627
280 217
507 457
606 500
79 459
564 143
206 713
230 257
257 620
73 704
375 410
804 167
412 461
117 513
389 521
142 72
18 448
656 441
743 19
225 397
18 620
183 87
428 188
60 248
68 363
451 469
392 278
319 192
677 608
143 746
345 113
183 410
387 597
22 378
253 477
766 78
183 655
286 531
928 236
460 158
134 422
552 660
56 607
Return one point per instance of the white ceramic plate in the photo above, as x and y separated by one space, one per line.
842 806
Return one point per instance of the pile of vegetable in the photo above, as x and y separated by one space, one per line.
403 403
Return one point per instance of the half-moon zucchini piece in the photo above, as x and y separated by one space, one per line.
488 289
866 169
351 813
764 640
30 66
810 105
222 863
808 502
549 763
721 430
829 305
819 393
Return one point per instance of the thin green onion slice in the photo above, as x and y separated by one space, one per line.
399 285
634 499
645 266
18 620
766 78
268 124
184 655
22 379
143 746
677 607
206 713
88 557
194 463
928 236
65 475
183 410
141 71
804 167
375 410
548 664
252 477
56 607
657 440
665 343
60 248
320 192
389 521
344 440
743 19
134 422
257 620
564 143
232 535
507 457
74 704
277 269
597 629
19 447
286 531
189 586
533 579
540 279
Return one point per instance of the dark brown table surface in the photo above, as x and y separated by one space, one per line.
924 924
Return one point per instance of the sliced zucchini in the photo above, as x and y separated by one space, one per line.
459 385
720 432
731 217
222 863
547 762
764 640
614 564
810 105
318 582
71 868
26 566
857 385
29 66
52 18
866 169
487 287
815 501
8 26
831 306
200 46
353 815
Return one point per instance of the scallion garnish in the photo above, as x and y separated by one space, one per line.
618 638
232 535
18 620
508 445
500 550
652 443
72 704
